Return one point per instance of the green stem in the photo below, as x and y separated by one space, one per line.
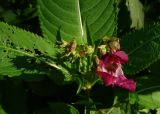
115 100
110 110
86 111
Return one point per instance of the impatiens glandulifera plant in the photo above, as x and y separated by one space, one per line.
68 70
109 69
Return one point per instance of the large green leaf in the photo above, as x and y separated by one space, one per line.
21 41
17 44
66 18
142 47
100 16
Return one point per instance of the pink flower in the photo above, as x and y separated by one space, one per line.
109 69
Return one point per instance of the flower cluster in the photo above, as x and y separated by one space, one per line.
72 49
110 68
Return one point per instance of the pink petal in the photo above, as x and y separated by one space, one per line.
119 72
109 80
106 59
101 74
122 55
126 83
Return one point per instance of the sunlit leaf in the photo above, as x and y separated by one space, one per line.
67 19
136 13
18 46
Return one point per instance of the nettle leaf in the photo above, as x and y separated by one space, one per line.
17 44
21 40
7 68
68 18
136 13
142 48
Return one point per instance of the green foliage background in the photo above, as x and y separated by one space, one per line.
33 83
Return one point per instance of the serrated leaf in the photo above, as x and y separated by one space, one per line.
142 48
17 43
7 68
67 18
136 13
22 40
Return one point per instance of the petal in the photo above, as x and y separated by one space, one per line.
119 72
122 55
106 58
109 80
101 74
125 83
101 63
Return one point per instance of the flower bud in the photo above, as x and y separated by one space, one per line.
71 46
103 49
89 50
62 43
114 45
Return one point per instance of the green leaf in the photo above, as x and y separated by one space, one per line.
7 68
150 100
100 16
136 13
21 41
158 111
154 68
63 16
62 108
66 18
148 91
2 111
142 48
112 110
17 44
116 110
